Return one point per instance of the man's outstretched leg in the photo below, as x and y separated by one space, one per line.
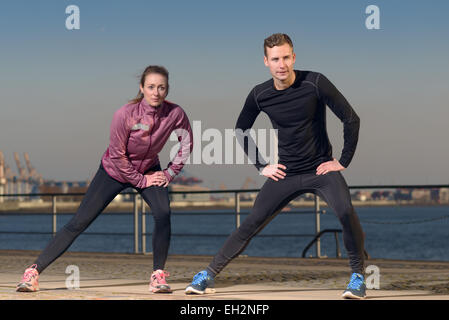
273 196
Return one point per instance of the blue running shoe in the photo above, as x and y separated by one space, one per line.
356 288
202 283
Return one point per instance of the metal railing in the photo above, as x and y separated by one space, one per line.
317 238
140 215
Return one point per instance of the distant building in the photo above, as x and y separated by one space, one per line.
402 194
382 195
421 194
63 187
189 196
435 195
444 195
361 195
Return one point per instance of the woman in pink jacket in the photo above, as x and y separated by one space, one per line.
139 130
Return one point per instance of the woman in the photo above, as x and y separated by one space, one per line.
138 133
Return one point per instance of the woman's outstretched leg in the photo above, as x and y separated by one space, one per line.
100 193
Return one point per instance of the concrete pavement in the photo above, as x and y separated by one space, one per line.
111 276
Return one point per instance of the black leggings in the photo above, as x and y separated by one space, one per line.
102 190
275 195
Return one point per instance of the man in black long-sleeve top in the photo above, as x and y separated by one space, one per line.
295 101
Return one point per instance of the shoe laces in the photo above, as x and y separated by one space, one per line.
199 278
356 281
30 273
160 275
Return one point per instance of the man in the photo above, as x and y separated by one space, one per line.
295 101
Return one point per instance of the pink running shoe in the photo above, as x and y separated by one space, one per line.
29 281
158 283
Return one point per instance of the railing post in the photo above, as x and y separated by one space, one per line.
337 244
136 225
317 225
143 228
53 200
237 209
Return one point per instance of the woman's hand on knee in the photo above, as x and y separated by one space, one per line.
156 178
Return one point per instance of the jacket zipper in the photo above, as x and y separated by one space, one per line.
149 145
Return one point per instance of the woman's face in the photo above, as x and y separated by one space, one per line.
155 89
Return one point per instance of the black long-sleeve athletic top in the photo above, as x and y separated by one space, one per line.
299 115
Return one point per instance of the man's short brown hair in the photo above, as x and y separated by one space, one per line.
277 39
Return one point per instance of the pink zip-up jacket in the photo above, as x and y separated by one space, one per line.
138 133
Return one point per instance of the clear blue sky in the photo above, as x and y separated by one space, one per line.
59 88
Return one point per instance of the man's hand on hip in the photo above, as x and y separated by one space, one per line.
274 171
329 166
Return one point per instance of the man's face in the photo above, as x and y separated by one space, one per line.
280 60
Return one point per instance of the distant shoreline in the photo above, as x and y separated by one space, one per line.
72 206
